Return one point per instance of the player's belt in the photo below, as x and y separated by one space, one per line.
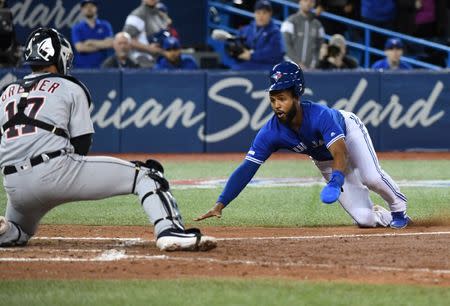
34 161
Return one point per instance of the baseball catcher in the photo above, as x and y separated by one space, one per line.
46 133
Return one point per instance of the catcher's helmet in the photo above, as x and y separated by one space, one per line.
286 75
46 46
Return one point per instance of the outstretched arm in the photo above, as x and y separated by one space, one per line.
236 183
332 190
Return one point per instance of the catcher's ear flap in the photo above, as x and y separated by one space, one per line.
154 164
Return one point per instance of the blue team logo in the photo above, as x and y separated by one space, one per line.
276 76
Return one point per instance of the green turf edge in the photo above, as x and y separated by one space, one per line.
215 292
268 207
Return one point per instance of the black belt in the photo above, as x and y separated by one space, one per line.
34 161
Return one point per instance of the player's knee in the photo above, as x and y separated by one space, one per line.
372 181
364 218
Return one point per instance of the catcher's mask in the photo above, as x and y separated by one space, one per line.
45 47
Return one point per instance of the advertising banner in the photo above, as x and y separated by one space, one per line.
221 111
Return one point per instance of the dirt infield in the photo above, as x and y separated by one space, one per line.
416 255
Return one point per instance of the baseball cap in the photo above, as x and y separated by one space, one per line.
263 5
84 2
171 43
337 40
393 43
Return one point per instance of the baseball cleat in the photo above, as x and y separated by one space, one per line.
383 216
172 240
399 220
4 225
9 239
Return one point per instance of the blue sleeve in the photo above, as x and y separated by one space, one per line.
192 64
162 65
262 147
76 34
378 65
268 51
237 181
243 32
109 31
405 65
189 62
329 126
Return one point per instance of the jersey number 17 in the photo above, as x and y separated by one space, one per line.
10 110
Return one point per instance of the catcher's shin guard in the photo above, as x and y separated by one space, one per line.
161 204
171 207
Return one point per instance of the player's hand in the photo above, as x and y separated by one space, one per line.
331 192
246 55
319 10
216 211
154 48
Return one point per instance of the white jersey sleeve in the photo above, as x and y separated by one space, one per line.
80 118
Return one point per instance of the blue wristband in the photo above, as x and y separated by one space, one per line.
337 177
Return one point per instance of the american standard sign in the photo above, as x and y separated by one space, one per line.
223 111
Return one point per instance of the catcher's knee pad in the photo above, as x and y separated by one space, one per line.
154 170
154 164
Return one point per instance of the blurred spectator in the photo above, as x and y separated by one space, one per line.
173 59
406 15
380 13
431 19
393 50
344 8
144 24
262 40
92 37
120 58
336 55
425 19
447 32
10 50
303 36
164 10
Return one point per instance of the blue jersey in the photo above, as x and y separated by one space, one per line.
266 43
320 128
187 62
384 64
82 32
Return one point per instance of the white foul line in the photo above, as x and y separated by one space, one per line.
89 238
338 236
115 255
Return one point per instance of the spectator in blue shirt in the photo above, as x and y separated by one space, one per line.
92 37
173 59
263 41
380 13
393 49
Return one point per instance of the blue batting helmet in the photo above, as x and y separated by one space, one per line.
286 75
